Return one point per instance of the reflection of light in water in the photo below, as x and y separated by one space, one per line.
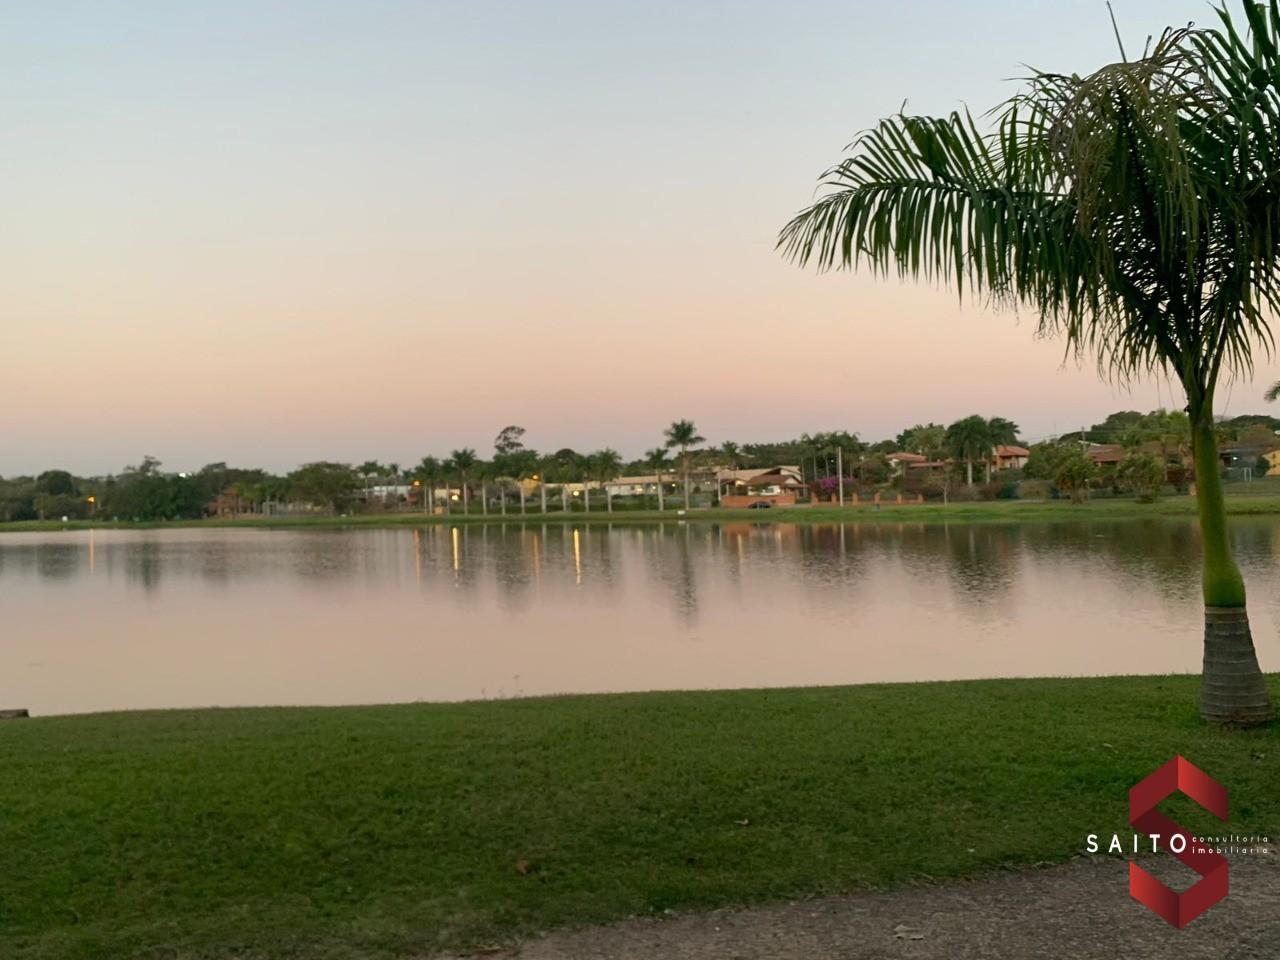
91 564
454 537
417 554
577 554
537 555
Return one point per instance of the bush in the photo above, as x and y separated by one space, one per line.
1075 470
1035 490
1141 474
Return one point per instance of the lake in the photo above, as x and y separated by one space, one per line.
105 620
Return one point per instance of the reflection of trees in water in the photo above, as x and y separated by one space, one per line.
980 561
323 556
512 558
58 561
49 561
669 557
1144 554
143 563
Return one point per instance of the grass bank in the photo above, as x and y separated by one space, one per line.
383 832
999 511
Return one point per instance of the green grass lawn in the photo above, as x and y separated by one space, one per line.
997 511
386 832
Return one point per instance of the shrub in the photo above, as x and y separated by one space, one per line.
1034 490
1074 472
1141 474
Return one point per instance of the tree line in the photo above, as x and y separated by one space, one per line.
1157 442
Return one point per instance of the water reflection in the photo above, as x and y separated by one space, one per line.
106 619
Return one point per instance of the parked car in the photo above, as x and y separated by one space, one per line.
760 505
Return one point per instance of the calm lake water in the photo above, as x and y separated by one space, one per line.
178 618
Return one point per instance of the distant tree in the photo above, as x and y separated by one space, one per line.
324 482
1002 431
604 467
683 436
509 439
427 472
1074 471
969 440
731 453
464 462
1142 475
56 483
656 460
926 439
1044 459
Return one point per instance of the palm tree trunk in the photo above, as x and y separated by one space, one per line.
586 496
685 468
608 498
502 492
466 498
659 490
542 492
522 499
1233 689
564 499
484 499
968 468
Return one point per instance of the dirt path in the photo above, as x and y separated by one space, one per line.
1080 911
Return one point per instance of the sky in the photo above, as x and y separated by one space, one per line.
272 232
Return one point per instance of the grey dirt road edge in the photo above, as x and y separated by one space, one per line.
1079 911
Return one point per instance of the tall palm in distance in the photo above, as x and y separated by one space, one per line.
656 460
605 465
969 439
464 463
1002 433
1135 210
428 471
683 436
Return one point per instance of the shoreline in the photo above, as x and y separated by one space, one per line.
1012 511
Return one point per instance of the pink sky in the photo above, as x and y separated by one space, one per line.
386 231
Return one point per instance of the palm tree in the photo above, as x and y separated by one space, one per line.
1273 392
1002 433
427 470
368 470
544 472
1135 210
604 466
969 440
464 462
683 435
732 454
656 460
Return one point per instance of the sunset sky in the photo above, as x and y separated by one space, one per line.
272 232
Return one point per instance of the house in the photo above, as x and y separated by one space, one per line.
1105 454
636 486
776 486
1007 456
902 461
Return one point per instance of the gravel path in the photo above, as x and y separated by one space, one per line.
1079 911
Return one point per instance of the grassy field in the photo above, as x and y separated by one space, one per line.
385 832
997 511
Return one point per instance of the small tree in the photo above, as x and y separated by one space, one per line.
1142 475
683 436
1075 470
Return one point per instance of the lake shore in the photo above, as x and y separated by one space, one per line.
393 831
996 511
